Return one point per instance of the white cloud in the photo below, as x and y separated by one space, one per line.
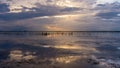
106 1
17 5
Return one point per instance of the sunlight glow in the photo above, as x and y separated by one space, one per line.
54 28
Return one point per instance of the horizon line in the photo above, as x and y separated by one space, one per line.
59 31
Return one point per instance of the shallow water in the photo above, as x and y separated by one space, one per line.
59 49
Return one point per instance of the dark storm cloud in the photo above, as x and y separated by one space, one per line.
4 8
108 15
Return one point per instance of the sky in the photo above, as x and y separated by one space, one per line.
60 15
107 1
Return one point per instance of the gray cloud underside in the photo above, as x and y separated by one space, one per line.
23 15
42 10
34 12
108 15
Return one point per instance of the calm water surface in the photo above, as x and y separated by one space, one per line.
59 49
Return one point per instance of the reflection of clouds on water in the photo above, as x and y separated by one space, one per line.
67 59
62 49
108 62
19 55
74 48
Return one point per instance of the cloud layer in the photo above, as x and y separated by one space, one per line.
59 15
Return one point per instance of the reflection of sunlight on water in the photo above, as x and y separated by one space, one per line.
72 47
68 47
64 48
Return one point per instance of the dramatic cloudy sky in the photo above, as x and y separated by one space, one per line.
59 15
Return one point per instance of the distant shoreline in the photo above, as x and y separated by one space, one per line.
59 31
